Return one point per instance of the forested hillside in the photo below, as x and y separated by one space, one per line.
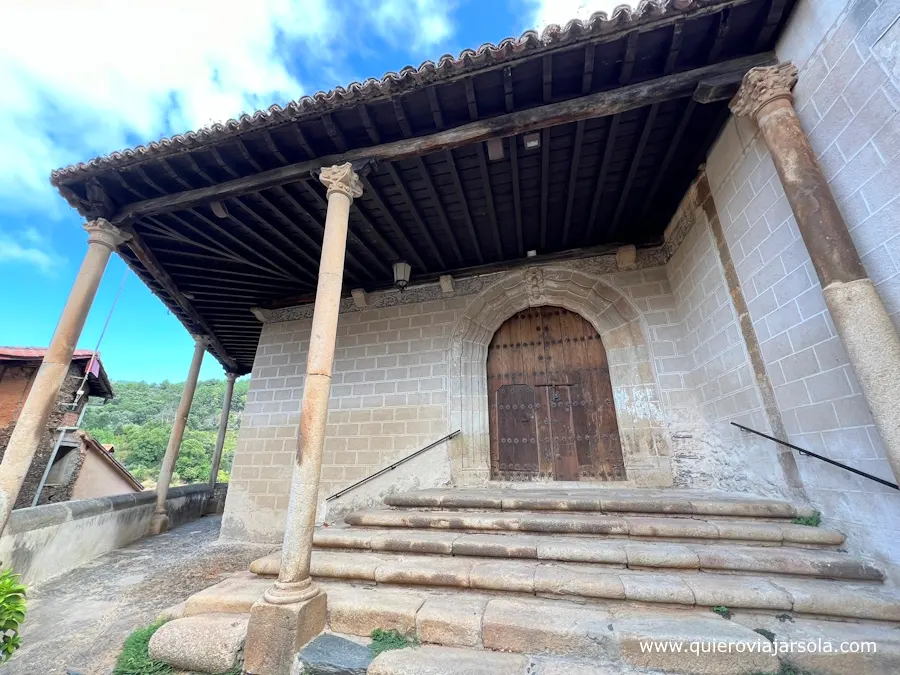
139 419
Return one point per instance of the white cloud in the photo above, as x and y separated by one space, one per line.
30 250
545 12
88 77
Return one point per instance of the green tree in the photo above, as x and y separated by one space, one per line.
138 421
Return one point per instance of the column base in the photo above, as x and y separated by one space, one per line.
159 524
277 632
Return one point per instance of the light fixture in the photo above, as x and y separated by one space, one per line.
218 208
532 141
401 274
495 149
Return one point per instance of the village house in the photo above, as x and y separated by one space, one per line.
631 286
56 473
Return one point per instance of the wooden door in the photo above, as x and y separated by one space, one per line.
552 415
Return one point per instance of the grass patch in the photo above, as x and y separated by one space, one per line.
813 521
724 612
135 659
386 640
769 635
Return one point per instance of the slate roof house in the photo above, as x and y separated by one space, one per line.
607 278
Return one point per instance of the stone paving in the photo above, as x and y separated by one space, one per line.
79 620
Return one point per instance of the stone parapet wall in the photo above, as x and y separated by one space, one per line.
44 541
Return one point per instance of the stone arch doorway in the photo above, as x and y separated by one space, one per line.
642 429
551 409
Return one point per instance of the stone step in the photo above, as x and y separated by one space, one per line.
633 527
601 500
595 639
447 661
603 640
587 582
612 552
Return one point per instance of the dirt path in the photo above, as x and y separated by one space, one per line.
79 620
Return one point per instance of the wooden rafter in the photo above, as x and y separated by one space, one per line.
547 82
674 47
368 227
722 29
414 212
670 153
223 232
587 77
274 232
611 133
267 242
770 24
407 131
147 258
632 170
483 169
392 221
438 116
600 104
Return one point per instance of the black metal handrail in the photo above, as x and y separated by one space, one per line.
809 453
392 466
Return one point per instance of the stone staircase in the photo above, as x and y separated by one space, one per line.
576 581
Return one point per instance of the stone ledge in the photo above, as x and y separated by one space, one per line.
46 515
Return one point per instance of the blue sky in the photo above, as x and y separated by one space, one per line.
85 78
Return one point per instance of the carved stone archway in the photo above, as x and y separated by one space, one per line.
645 443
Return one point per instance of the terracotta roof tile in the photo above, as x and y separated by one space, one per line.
599 24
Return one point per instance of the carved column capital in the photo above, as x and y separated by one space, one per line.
231 377
763 85
341 178
201 340
101 231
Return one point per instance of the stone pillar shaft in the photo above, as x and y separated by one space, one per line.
103 238
861 320
292 611
343 187
160 521
223 429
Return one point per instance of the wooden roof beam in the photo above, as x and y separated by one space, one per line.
632 170
670 153
547 80
485 175
611 133
370 191
438 116
146 257
228 235
370 228
599 104
352 238
510 101
587 78
426 178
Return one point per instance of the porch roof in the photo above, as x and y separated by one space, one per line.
231 216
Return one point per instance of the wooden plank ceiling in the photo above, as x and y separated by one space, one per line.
594 182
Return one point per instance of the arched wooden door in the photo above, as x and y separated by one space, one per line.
552 415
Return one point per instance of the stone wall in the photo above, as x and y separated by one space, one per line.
45 541
704 365
48 439
409 368
847 98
